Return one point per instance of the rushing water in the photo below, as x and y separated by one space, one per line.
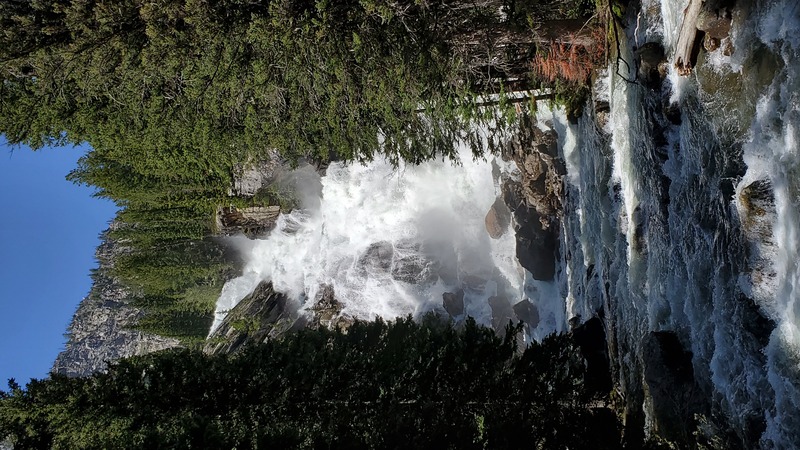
659 229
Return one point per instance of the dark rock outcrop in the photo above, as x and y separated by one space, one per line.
101 331
527 312
537 244
502 313
651 63
536 199
328 310
453 303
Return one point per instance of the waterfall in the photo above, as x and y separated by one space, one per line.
391 240
659 228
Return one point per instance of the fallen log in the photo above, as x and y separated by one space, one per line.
689 38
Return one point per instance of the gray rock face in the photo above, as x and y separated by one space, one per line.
251 178
100 331
261 315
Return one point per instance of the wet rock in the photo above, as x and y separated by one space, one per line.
672 111
536 236
757 204
535 152
716 23
412 262
453 303
497 219
602 109
536 200
651 62
261 315
502 312
327 310
415 270
527 312
755 322
670 386
710 43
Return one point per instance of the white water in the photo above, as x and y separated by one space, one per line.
648 233
391 241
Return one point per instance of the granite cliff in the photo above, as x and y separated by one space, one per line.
101 330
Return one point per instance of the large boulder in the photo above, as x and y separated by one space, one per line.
263 314
757 212
715 22
502 313
252 222
535 153
453 303
327 310
527 312
536 198
412 264
497 219
377 257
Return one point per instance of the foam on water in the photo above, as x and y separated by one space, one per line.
383 237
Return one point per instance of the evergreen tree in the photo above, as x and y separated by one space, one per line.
379 385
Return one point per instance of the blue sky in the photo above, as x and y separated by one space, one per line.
49 230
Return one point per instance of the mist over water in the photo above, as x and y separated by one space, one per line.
391 241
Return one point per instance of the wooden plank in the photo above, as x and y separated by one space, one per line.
688 47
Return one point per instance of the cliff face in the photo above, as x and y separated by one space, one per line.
100 331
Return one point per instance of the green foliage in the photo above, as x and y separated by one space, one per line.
183 88
379 385
172 94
